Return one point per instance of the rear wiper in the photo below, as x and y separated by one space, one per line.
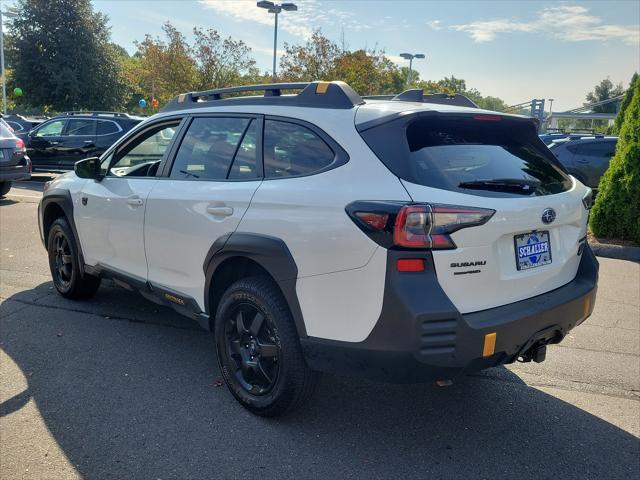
519 185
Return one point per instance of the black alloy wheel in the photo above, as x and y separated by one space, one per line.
251 349
63 261
258 348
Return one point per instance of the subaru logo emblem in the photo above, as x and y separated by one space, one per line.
548 216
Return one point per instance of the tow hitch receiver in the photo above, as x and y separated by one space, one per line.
537 353
536 348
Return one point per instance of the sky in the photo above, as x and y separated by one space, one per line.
516 50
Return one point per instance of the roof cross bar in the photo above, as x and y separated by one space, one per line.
312 94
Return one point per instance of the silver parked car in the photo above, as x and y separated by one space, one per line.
14 162
586 158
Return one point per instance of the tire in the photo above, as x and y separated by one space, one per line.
261 363
4 188
63 263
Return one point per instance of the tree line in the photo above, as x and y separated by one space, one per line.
61 57
78 67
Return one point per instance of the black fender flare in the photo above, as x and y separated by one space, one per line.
61 198
271 253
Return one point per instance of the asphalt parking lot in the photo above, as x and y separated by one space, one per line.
118 387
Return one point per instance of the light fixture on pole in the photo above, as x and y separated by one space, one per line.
276 8
550 105
410 57
4 78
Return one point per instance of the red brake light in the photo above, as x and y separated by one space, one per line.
488 118
377 221
416 225
430 226
20 144
410 265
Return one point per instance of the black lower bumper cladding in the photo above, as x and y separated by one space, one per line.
421 337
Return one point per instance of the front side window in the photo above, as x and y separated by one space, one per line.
81 127
210 145
292 150
51 129
142 156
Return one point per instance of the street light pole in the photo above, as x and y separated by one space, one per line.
550 106
276 9
4 81
410 57
4 77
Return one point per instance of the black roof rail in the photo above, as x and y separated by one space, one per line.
97 113
313 94
417 95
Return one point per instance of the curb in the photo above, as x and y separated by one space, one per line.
616 251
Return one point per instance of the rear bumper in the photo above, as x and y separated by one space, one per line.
14 173
420 336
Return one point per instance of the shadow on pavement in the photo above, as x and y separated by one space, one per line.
135 399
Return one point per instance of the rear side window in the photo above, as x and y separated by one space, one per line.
106 127
81 127
293 150
467 155
597 149
209 147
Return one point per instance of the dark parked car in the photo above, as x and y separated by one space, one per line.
586 158
60 142
549 138
14 162
22 125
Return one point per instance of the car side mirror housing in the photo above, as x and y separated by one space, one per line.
88 168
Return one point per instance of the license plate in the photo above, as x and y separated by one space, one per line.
532 250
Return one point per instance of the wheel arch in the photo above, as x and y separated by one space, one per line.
57 203
238 255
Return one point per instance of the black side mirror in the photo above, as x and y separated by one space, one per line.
88 168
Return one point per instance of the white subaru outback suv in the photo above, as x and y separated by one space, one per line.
407 238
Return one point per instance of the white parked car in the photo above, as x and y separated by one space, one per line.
411 238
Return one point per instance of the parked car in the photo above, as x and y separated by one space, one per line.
14 162
409 239
586 158
60 142
549 138
22 125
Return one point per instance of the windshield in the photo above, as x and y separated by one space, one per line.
479 157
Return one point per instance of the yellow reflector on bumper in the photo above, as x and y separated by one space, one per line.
489 344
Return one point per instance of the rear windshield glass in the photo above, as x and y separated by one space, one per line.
479 157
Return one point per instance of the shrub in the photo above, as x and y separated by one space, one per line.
616 212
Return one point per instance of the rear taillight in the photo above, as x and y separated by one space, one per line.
415 225
20 147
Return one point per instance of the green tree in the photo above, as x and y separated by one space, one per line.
626 101
220 62
62 57
369 72
604 91
315 60
453 84
166 67
616 212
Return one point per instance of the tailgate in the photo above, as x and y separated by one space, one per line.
482 272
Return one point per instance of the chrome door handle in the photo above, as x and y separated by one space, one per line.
220 211
134 201
54 143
